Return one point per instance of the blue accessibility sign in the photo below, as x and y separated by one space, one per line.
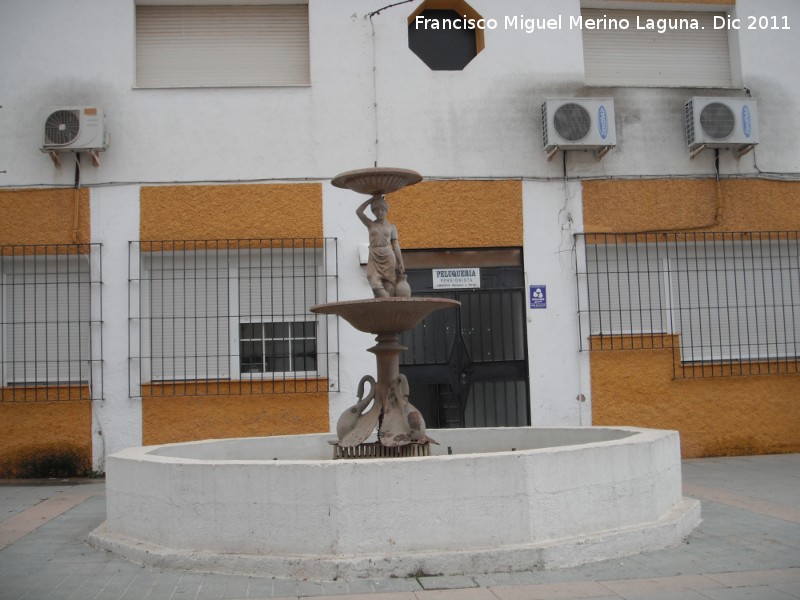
538 296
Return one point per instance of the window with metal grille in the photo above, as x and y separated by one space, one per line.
727 301
232 316
222 45
50 316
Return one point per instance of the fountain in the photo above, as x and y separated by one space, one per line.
475 500
400 425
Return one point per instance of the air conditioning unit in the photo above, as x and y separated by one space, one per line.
721 123
75 129
578 124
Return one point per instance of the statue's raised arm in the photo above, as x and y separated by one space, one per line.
360 211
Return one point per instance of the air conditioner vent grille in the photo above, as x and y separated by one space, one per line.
572 122
717 120
578 124
721 122
62 127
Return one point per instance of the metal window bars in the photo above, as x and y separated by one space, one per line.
725 304
231 317
51 322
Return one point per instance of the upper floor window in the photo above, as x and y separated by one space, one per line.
655 48
445 34
222 45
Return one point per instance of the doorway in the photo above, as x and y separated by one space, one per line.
468 367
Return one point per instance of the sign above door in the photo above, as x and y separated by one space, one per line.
456 278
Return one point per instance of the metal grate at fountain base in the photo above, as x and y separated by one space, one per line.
376 450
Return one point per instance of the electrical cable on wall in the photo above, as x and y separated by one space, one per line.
765 175
375 69
380 10
718 215
76 198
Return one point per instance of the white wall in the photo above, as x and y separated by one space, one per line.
558 371
116 419
483 121
770 64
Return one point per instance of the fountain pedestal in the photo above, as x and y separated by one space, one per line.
398 422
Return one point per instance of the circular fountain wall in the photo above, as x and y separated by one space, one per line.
487 500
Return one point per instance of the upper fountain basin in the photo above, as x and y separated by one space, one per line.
376 181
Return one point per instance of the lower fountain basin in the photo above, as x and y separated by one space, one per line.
506 499
385 316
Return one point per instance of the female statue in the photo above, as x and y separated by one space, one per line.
385 259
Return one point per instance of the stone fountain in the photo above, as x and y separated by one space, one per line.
400 426
482 500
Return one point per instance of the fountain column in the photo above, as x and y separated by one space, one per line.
393 430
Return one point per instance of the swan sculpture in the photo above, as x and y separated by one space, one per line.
354 425
401 423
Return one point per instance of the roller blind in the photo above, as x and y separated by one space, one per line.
737 303
626 290
188 306
643 57
278 285
46 322
222 46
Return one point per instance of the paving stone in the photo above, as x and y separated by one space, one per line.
310 588
790 589
445 582
456 594
553 591
395 585
283 587
746 593
683 595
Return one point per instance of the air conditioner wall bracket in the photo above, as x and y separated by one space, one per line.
55 158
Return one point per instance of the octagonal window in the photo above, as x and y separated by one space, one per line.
445 34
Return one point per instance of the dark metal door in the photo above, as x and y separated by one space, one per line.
468 367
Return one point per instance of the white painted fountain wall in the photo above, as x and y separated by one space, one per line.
227 505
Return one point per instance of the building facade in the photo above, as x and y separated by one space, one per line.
612 191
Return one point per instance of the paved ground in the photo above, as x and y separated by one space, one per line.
748 546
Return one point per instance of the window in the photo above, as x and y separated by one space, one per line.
282 347
728 299
681 49
222 45
227 314
445 34
738 301
48 325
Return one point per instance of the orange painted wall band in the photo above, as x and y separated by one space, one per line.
219 212
690 204
183 418
44 217
459 214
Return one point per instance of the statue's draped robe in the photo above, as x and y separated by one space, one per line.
382 263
